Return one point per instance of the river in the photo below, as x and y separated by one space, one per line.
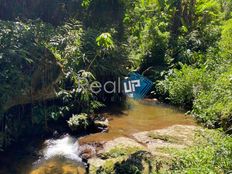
61 156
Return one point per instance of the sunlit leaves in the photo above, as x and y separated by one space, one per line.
86 3
77 122
226 42
105 40
208 11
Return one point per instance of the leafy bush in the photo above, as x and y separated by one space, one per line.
226 43
77 122
182 86
105 40
207 88
21 50
211 153
213 106
147 33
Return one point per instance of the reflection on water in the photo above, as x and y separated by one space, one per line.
139 116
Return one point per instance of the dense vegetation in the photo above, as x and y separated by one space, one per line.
183 46
212 152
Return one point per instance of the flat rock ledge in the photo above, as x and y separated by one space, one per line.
155 143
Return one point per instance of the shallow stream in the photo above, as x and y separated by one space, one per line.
61 156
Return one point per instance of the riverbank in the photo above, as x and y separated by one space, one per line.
176 149
147 151
134 117
145 136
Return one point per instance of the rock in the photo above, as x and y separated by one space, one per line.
55 134
87 151
178 136
102 125
58 167
95 163
90 150
137 152
120 148
120 142
45 75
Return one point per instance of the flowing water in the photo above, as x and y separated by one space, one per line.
66 147
61 156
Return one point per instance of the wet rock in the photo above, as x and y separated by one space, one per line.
87 151
58 167
55 134
101 124
90 150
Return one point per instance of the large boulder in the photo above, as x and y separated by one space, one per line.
143 152
43 79
28 70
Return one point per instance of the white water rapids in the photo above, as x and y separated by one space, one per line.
65 147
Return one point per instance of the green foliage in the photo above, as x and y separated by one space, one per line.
182 86
199 58
40 112
54 12
189 39
207 11
147 32
86 3
226 43
207 90
66 44
105 40
85 56
78 122
206 85
212 153
214 105
21 49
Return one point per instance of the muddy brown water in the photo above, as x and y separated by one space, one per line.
139 116
135 117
